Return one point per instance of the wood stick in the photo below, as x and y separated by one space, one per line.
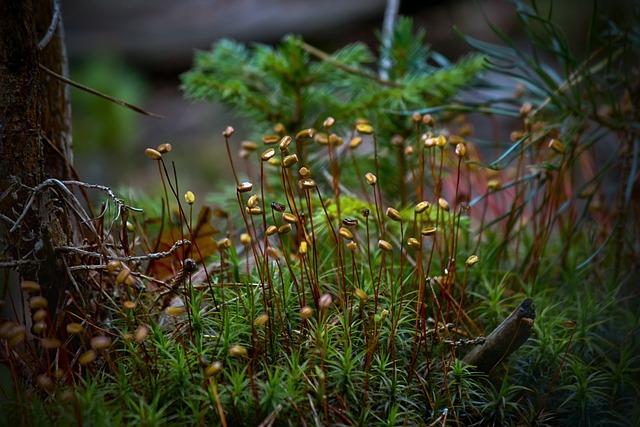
505 339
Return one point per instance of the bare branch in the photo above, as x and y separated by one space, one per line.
107 190
327 58
99 94
152 256
75 205
53 26
18 262
505 339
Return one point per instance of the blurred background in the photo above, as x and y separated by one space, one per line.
137 50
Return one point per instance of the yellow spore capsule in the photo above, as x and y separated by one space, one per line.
75 328
238 351
384 245
472 260
364 128
422 206
213 369
152 154
164 148
306 312
100 342
87 357
371 178
244 187
189 197
393 214
345 233
30 286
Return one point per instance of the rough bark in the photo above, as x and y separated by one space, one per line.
54 96
21 158
35 144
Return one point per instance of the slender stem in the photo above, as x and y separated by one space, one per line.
233 168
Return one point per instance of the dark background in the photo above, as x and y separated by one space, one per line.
136 50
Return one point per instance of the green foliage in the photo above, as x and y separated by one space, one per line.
285 84
348 311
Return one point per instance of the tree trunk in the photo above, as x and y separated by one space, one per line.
54 95
35 144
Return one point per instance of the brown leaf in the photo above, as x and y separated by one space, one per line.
203 245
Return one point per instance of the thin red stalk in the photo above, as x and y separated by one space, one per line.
369 262
233 168
335 177
359 175
420 150
315 284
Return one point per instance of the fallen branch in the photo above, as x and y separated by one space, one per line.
71 199
151 256
505 339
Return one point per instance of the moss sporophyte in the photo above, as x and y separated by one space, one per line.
372 259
